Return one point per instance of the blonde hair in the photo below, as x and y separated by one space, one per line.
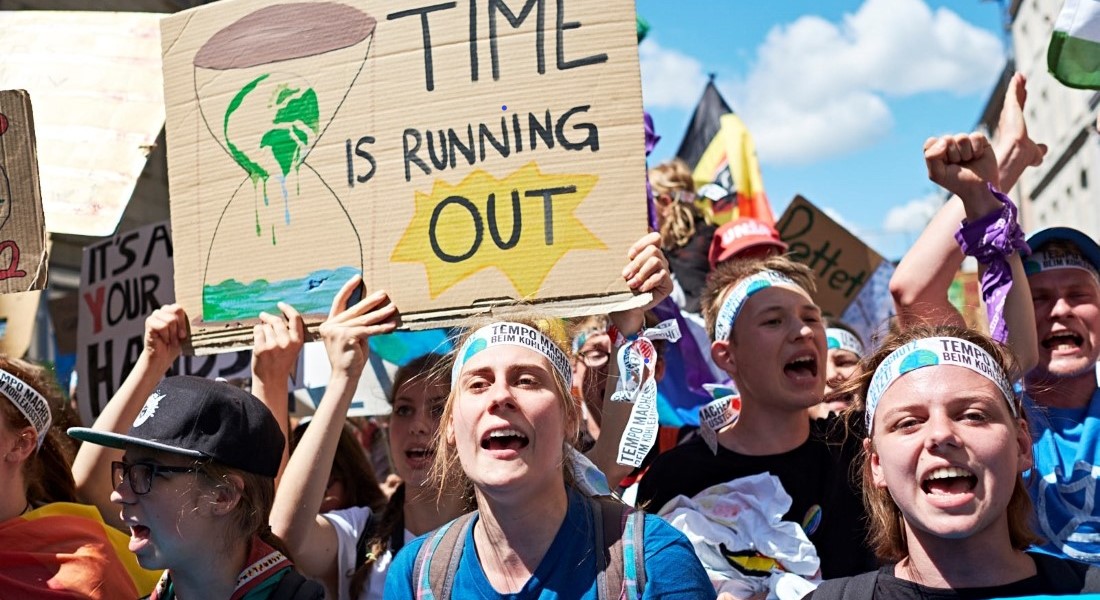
887 524
670 179
446 469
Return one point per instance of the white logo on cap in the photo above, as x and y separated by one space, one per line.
149 409
745 229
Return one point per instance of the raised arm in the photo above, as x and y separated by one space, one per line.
165 330
276 344
294 517
920 283
965 165
646 271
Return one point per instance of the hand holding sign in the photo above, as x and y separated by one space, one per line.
347 329
646 272
165 331
277 342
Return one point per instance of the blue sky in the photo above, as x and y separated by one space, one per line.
839 95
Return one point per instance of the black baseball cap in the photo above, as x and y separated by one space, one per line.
203 419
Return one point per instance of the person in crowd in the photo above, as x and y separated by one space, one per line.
1062 398
350 550
841 363
194 476
769 336
946 443
509 427
590 365
685 233
51 546
352 481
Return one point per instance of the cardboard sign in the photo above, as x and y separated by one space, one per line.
98 102
842 263
122 281
461 156
22 225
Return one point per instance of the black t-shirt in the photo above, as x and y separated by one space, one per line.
816 475
1053 575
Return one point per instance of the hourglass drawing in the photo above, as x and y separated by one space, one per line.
267 104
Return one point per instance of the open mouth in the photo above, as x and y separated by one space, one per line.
504 439
419 453
1063 340
801 366
949 481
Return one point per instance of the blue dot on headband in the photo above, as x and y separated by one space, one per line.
476 346
918 359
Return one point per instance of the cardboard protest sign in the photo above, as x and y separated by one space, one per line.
22 225
122 281
460 157
841 261
98 102
853 281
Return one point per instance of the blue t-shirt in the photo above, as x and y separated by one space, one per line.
1063 483
569 568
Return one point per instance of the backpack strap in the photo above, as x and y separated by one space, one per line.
620 557
433 580
294 586
859 587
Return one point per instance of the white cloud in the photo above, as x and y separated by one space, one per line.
670 79
818 89
913 216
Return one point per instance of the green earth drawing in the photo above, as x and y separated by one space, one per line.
291 117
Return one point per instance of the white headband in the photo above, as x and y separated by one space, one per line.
29 402
929 352
513 334
723 323
1045 260
842 339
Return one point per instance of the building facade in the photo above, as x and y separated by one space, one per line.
1061 191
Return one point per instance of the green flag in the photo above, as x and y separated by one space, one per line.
1074 54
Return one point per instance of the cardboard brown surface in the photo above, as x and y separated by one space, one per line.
841 262
17 320
123 279
502 161
22 225
98 101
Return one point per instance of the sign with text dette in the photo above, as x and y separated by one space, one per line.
462 155
841 262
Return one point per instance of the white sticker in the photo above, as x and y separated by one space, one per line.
715 415
641 429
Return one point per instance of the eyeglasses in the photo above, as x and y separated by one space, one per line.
140 475
594 357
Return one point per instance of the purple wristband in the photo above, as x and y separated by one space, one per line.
991 239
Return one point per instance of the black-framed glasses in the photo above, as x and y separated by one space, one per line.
594 357
140 475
